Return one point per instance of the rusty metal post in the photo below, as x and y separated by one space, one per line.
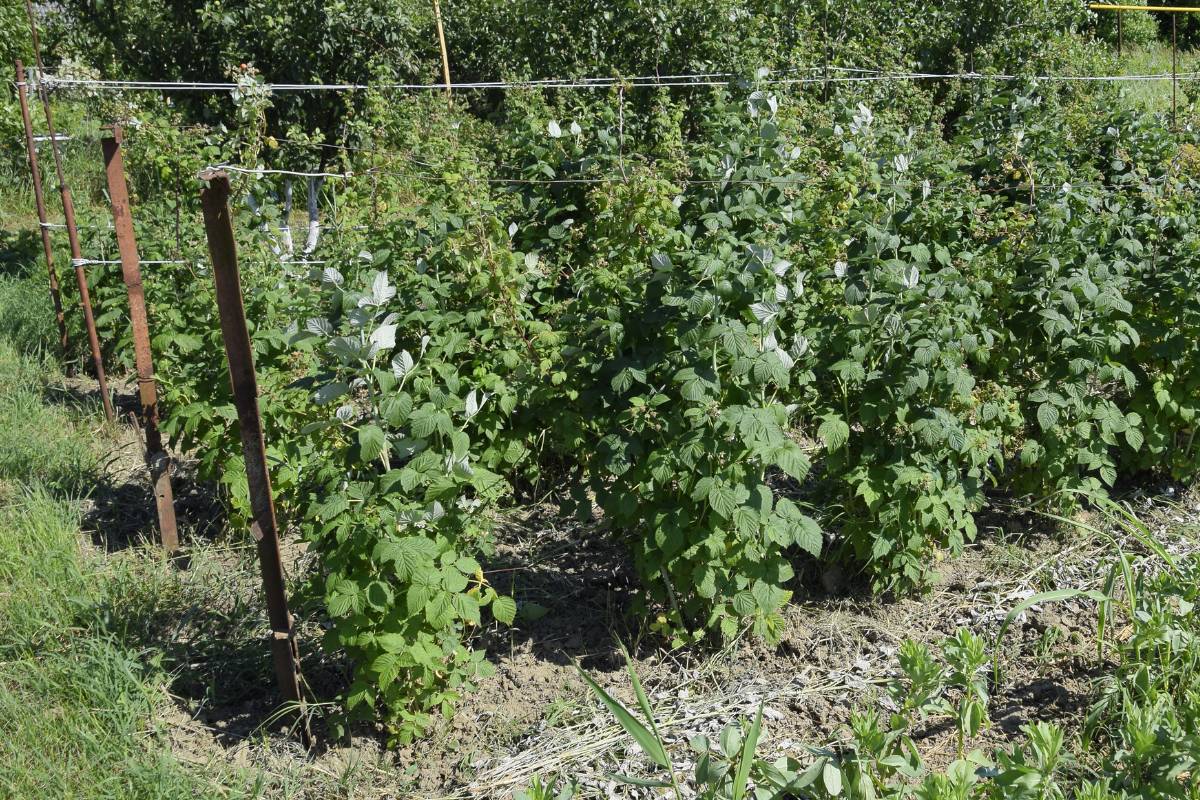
39 200
85 300
1120 33
218 227
157 460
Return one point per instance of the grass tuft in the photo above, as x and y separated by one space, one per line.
39 444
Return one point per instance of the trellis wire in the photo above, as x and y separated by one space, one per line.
607 179
651 82
88 262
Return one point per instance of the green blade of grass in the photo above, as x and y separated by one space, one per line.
1105 609
747 758
639 692
650 745
1057 595
1123 517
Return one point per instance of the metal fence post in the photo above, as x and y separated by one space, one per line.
157 460
222 248
39 200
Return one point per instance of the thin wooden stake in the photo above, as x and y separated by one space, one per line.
39 200
1120 33
1174 72
437 15
68 204
157 460
825 54
222 248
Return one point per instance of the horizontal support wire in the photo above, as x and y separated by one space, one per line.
649 82
58 226
607 179
88 262
699 78
471 179
288 172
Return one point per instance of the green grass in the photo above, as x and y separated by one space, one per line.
75 707
26 316
1156 95
40 445
78 700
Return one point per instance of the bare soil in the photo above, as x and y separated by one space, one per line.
535 716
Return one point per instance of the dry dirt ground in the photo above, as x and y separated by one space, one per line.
536 717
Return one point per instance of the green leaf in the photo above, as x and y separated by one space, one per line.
185 342
330 392
651 746
372 441
467 608
1047 416
387 667
747 522
424 421
396 408
723 500
645 783
1108 474
392 642
417 596
790 458
705 580
767 596
834 432
640 694
408 553
807 534
504 609
360 692
440 610
832 777
743 604
339 605
379 595
1135 438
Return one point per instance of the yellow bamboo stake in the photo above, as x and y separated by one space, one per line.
1167 9
437 15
